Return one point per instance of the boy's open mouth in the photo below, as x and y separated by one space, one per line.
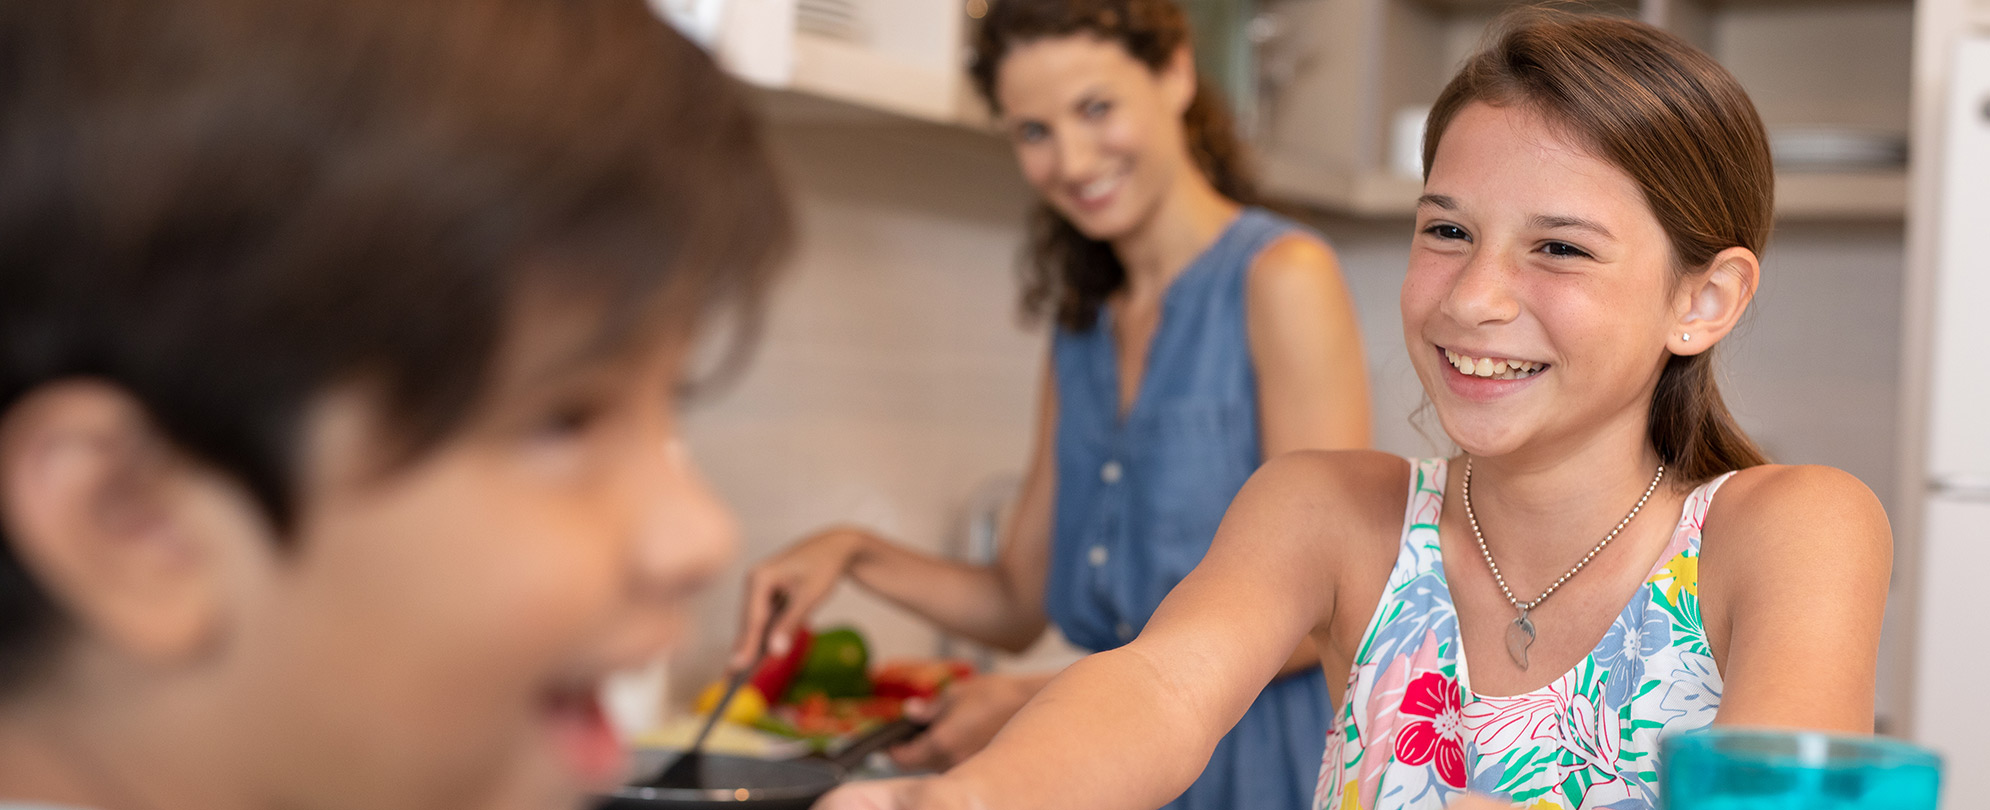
582 733
1493 368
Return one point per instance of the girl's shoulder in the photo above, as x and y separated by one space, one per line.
1770 496
1348 482
1777 519
1345 512
1357 498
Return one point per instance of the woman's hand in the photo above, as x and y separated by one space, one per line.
920 793
805 572
965 719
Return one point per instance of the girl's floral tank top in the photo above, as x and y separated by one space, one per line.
1410 733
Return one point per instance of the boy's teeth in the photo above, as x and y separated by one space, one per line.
1498 369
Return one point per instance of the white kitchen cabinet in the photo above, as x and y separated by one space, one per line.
1339 80
1950 706
903 57
1344 82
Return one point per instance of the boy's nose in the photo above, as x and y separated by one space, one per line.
688 536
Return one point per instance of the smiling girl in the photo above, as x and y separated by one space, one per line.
1608 559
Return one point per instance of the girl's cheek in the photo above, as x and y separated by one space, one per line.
1421 291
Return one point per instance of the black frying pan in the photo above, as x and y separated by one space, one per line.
739 783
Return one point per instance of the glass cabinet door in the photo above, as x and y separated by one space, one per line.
1223 53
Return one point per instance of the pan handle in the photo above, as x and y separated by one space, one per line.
856 751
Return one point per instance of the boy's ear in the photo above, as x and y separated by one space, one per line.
1709 304
96 508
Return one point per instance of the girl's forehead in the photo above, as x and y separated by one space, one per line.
1516 131
1516 155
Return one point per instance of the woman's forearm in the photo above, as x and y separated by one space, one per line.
965 599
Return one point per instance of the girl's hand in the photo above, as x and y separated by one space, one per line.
919 793
965 719
805 572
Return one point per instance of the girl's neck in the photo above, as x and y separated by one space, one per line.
1566 496
1189 217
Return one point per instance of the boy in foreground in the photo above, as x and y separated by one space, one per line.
340 345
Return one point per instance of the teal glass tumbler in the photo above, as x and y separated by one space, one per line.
1749 769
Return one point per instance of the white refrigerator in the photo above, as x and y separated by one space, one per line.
1951 697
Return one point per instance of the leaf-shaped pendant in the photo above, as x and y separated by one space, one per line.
1519 636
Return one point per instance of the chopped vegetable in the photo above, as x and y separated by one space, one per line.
835 666
776 674
922 678
746 708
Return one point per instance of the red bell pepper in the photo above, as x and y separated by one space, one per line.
775 673
918 678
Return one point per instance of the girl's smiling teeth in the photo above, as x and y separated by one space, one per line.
1496 368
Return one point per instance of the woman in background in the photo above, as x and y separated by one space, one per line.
1195 337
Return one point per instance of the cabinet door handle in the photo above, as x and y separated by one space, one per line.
1965 487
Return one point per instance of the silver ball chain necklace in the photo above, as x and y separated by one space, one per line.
1520 634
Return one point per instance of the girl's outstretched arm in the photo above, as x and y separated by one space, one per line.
1132 727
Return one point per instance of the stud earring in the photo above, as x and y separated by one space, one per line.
1686 336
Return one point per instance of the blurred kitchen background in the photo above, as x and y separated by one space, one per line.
895 382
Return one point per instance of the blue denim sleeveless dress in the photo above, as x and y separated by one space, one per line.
1138 502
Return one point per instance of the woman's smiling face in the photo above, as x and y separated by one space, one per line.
1541 268
1097 133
